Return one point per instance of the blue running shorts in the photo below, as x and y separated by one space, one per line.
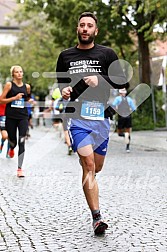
86 132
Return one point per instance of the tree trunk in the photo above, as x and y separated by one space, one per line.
144 73
144 60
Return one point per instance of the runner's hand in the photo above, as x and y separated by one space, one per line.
19 96
66 92
91 81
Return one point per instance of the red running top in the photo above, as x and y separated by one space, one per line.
2 109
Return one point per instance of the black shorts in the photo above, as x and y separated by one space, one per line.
124 122
56 120
29 116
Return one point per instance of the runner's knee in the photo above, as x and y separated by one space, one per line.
4 134
98 168
88 165
21 144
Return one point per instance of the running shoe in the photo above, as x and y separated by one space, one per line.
27 136
1 148
127 148
10 153
20 173
99 227
69 150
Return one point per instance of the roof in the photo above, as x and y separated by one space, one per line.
7 8
158 48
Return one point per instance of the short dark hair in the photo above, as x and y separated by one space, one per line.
88 14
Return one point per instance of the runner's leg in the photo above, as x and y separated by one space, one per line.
4 136
89 183
99 161
22 128
11 127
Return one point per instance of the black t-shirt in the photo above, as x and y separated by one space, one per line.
74 64
17 109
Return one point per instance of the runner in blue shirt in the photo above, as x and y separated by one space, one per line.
124 106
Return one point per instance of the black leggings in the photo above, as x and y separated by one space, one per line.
11 126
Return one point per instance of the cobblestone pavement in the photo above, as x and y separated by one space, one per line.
46 211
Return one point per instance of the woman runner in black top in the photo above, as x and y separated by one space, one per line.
15 95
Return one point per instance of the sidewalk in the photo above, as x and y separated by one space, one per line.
146 139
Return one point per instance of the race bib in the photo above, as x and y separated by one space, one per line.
18 103
92 110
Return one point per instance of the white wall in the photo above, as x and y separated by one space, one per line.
7 39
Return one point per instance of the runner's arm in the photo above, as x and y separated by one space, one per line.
3 99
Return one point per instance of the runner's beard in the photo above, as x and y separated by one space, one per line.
90 39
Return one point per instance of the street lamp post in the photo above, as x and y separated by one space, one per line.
164 63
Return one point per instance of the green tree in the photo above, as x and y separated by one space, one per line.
5 63
140 17
120 22
35 51
64 14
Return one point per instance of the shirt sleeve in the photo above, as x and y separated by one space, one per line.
131 104
61 72
114 74
116 101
